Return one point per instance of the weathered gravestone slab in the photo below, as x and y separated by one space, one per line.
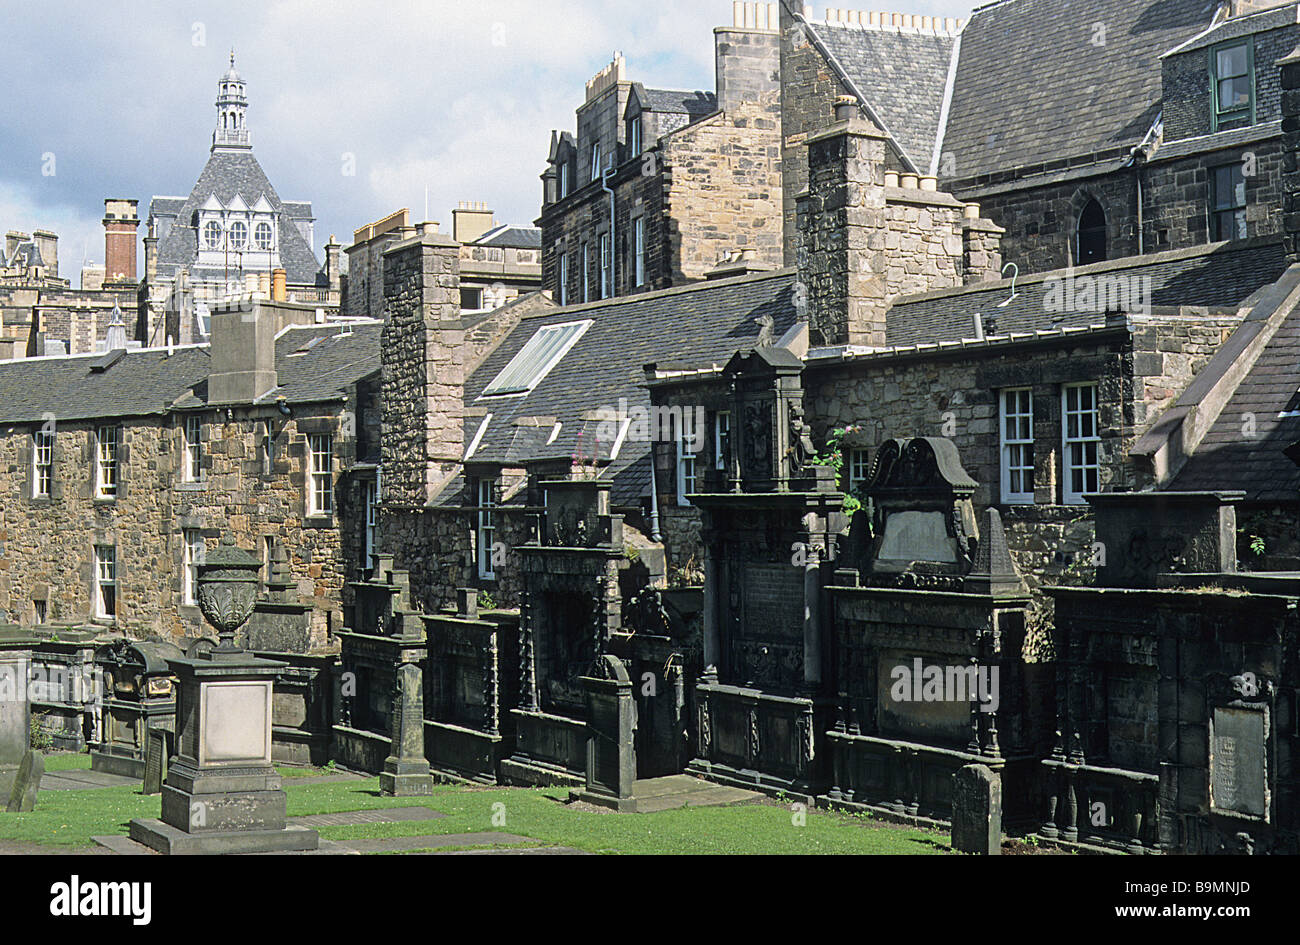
1238 773
27 783
977 811
157 748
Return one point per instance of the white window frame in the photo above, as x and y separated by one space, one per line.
638 242
42 464
595 161
562 283
489 498
193 550
105 578
564 179
634 135
106 462
193 433
859 465
1016 444
1074 443
686 467
371 536
721 435
320 478
260 245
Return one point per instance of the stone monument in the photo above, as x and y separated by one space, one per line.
977 811
406 769
222 795
20 767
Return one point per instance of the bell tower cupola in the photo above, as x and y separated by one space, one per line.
232 104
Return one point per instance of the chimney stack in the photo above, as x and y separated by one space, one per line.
843 221
120 226
469 221
981 241
47 244
333 249
243 353
423 369
12 239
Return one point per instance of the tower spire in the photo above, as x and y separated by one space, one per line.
232 104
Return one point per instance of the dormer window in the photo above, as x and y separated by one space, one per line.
212 234
263 236
1232 81
238 234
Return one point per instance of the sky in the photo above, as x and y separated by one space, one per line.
360 108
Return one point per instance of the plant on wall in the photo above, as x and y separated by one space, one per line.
833 456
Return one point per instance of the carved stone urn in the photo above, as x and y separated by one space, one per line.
227 591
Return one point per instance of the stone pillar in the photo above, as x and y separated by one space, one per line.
981 247
406 770
712 643
977 811
423 370
1290 67
843 223
20 767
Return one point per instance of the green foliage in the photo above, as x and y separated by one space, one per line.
486 601
833 456
1257 546
42 740
632 552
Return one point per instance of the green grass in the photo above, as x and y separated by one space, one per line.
295 771
71 818
67 761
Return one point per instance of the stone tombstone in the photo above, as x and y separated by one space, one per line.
27 783
922 520
222 794
611 740
977 811
1143 534
157 749
1238 768
406 770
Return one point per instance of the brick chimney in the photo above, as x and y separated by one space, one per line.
843 221
243 353
47 244
120 226
423 370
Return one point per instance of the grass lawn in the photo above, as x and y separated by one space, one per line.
71 818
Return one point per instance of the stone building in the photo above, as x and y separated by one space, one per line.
1142 127
123 467
40 311
659 186
499 262
232 237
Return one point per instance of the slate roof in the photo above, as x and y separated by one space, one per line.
229 172
901 74
507 234
709 320
149 381
1032 85
694 104
26 255
1219 275
1229 457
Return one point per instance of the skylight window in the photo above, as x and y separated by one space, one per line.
536 358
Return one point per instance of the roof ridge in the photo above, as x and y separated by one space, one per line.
695 286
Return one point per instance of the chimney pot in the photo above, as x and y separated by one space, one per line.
909 181
846 106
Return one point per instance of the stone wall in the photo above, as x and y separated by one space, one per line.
722 182
47 544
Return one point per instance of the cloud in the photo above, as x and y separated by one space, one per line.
453 96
